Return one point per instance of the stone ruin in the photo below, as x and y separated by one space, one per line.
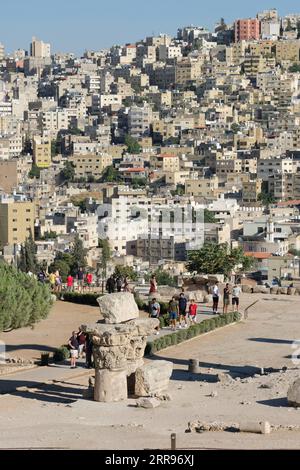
118 348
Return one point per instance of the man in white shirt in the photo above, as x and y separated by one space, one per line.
215 294
236 291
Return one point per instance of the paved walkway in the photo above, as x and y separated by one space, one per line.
34 377
206 313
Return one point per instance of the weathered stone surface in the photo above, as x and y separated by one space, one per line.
293 394
262 427
260 290
153 378
118 308
109 335
166 291
274 290
143 326
246 289
110 358
224 378
148 403
110 386
283 290
207 299
291 291
196 295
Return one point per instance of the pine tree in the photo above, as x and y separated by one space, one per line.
78 254
27 260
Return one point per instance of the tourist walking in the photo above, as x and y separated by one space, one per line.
173 312
153 285
215 295
89 280
154 312
70 283
80 279
52 279
126 287
182 303
236 292
226 301
119 283
111 285
88 351
73 345
193 311
58 282
81 342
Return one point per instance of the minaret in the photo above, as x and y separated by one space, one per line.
270 230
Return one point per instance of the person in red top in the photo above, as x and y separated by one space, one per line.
193 311
70 283
89 280
153 285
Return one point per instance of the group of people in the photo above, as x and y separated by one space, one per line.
84 280
235 293
80 345
179 311
116 284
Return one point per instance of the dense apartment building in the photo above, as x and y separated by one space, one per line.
16 221
42 152
246 29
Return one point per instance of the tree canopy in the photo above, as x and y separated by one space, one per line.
132 145
218 259
24 300
27 260
68 172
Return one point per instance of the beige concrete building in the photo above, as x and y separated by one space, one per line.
42 152
187 70
12 173
40 49
91 165
288 50
16 222
251 190
204 187
166 162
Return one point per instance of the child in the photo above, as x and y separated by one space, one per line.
193 311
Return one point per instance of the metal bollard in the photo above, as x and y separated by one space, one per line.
173 441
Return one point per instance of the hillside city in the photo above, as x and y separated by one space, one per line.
204 121
150 241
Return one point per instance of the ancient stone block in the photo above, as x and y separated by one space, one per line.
110 386
148 403
153 378
118 308
246 289
293 394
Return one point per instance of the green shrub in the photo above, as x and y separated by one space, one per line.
61 354
179 336
168 341
81 298
23 300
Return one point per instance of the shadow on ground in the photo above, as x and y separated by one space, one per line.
59 392
272 340
275 402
